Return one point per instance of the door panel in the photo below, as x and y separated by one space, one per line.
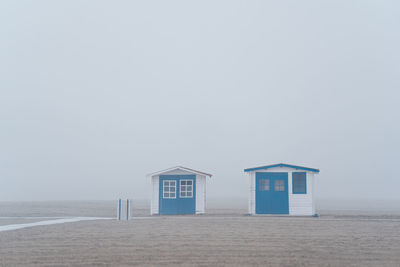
177 203
272 195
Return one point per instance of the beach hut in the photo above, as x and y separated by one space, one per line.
282 189
178 190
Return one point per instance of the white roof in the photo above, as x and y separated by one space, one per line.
179 168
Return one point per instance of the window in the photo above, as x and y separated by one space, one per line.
264 184
299 183
169 189
279 185
186 188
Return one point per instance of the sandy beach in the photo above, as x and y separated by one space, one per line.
220 238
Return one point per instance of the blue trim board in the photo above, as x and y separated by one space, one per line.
119 209
127 209
281 165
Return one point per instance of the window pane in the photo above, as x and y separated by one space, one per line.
299 183
169 189
186 188
279 185
264 184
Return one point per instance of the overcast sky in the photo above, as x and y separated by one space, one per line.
96 94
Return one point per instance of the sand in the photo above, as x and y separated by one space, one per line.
222 238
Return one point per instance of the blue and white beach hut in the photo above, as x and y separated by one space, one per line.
282 189
178 190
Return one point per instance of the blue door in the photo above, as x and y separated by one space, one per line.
272 195
177 194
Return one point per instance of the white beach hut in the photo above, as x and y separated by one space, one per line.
282 189
178 190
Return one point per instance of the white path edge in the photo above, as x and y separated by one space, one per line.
11 227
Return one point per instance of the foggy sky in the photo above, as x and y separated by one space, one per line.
94 95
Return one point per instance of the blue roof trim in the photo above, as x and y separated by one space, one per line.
281 165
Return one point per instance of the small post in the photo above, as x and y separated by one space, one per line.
119 210
127 209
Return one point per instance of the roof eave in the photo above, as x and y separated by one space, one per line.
282 165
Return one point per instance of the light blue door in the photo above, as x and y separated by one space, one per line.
177 194
272 195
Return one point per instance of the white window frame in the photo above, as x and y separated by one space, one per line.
187 191
169 188
264 184
279 187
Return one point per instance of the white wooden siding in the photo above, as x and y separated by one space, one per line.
155 192
177 172
312 177
200 194
299 204
252 192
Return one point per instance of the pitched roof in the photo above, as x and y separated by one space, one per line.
180 168
282 165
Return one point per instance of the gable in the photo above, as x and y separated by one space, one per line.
179 170
281 165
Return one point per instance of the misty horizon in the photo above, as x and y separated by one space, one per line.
96 95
